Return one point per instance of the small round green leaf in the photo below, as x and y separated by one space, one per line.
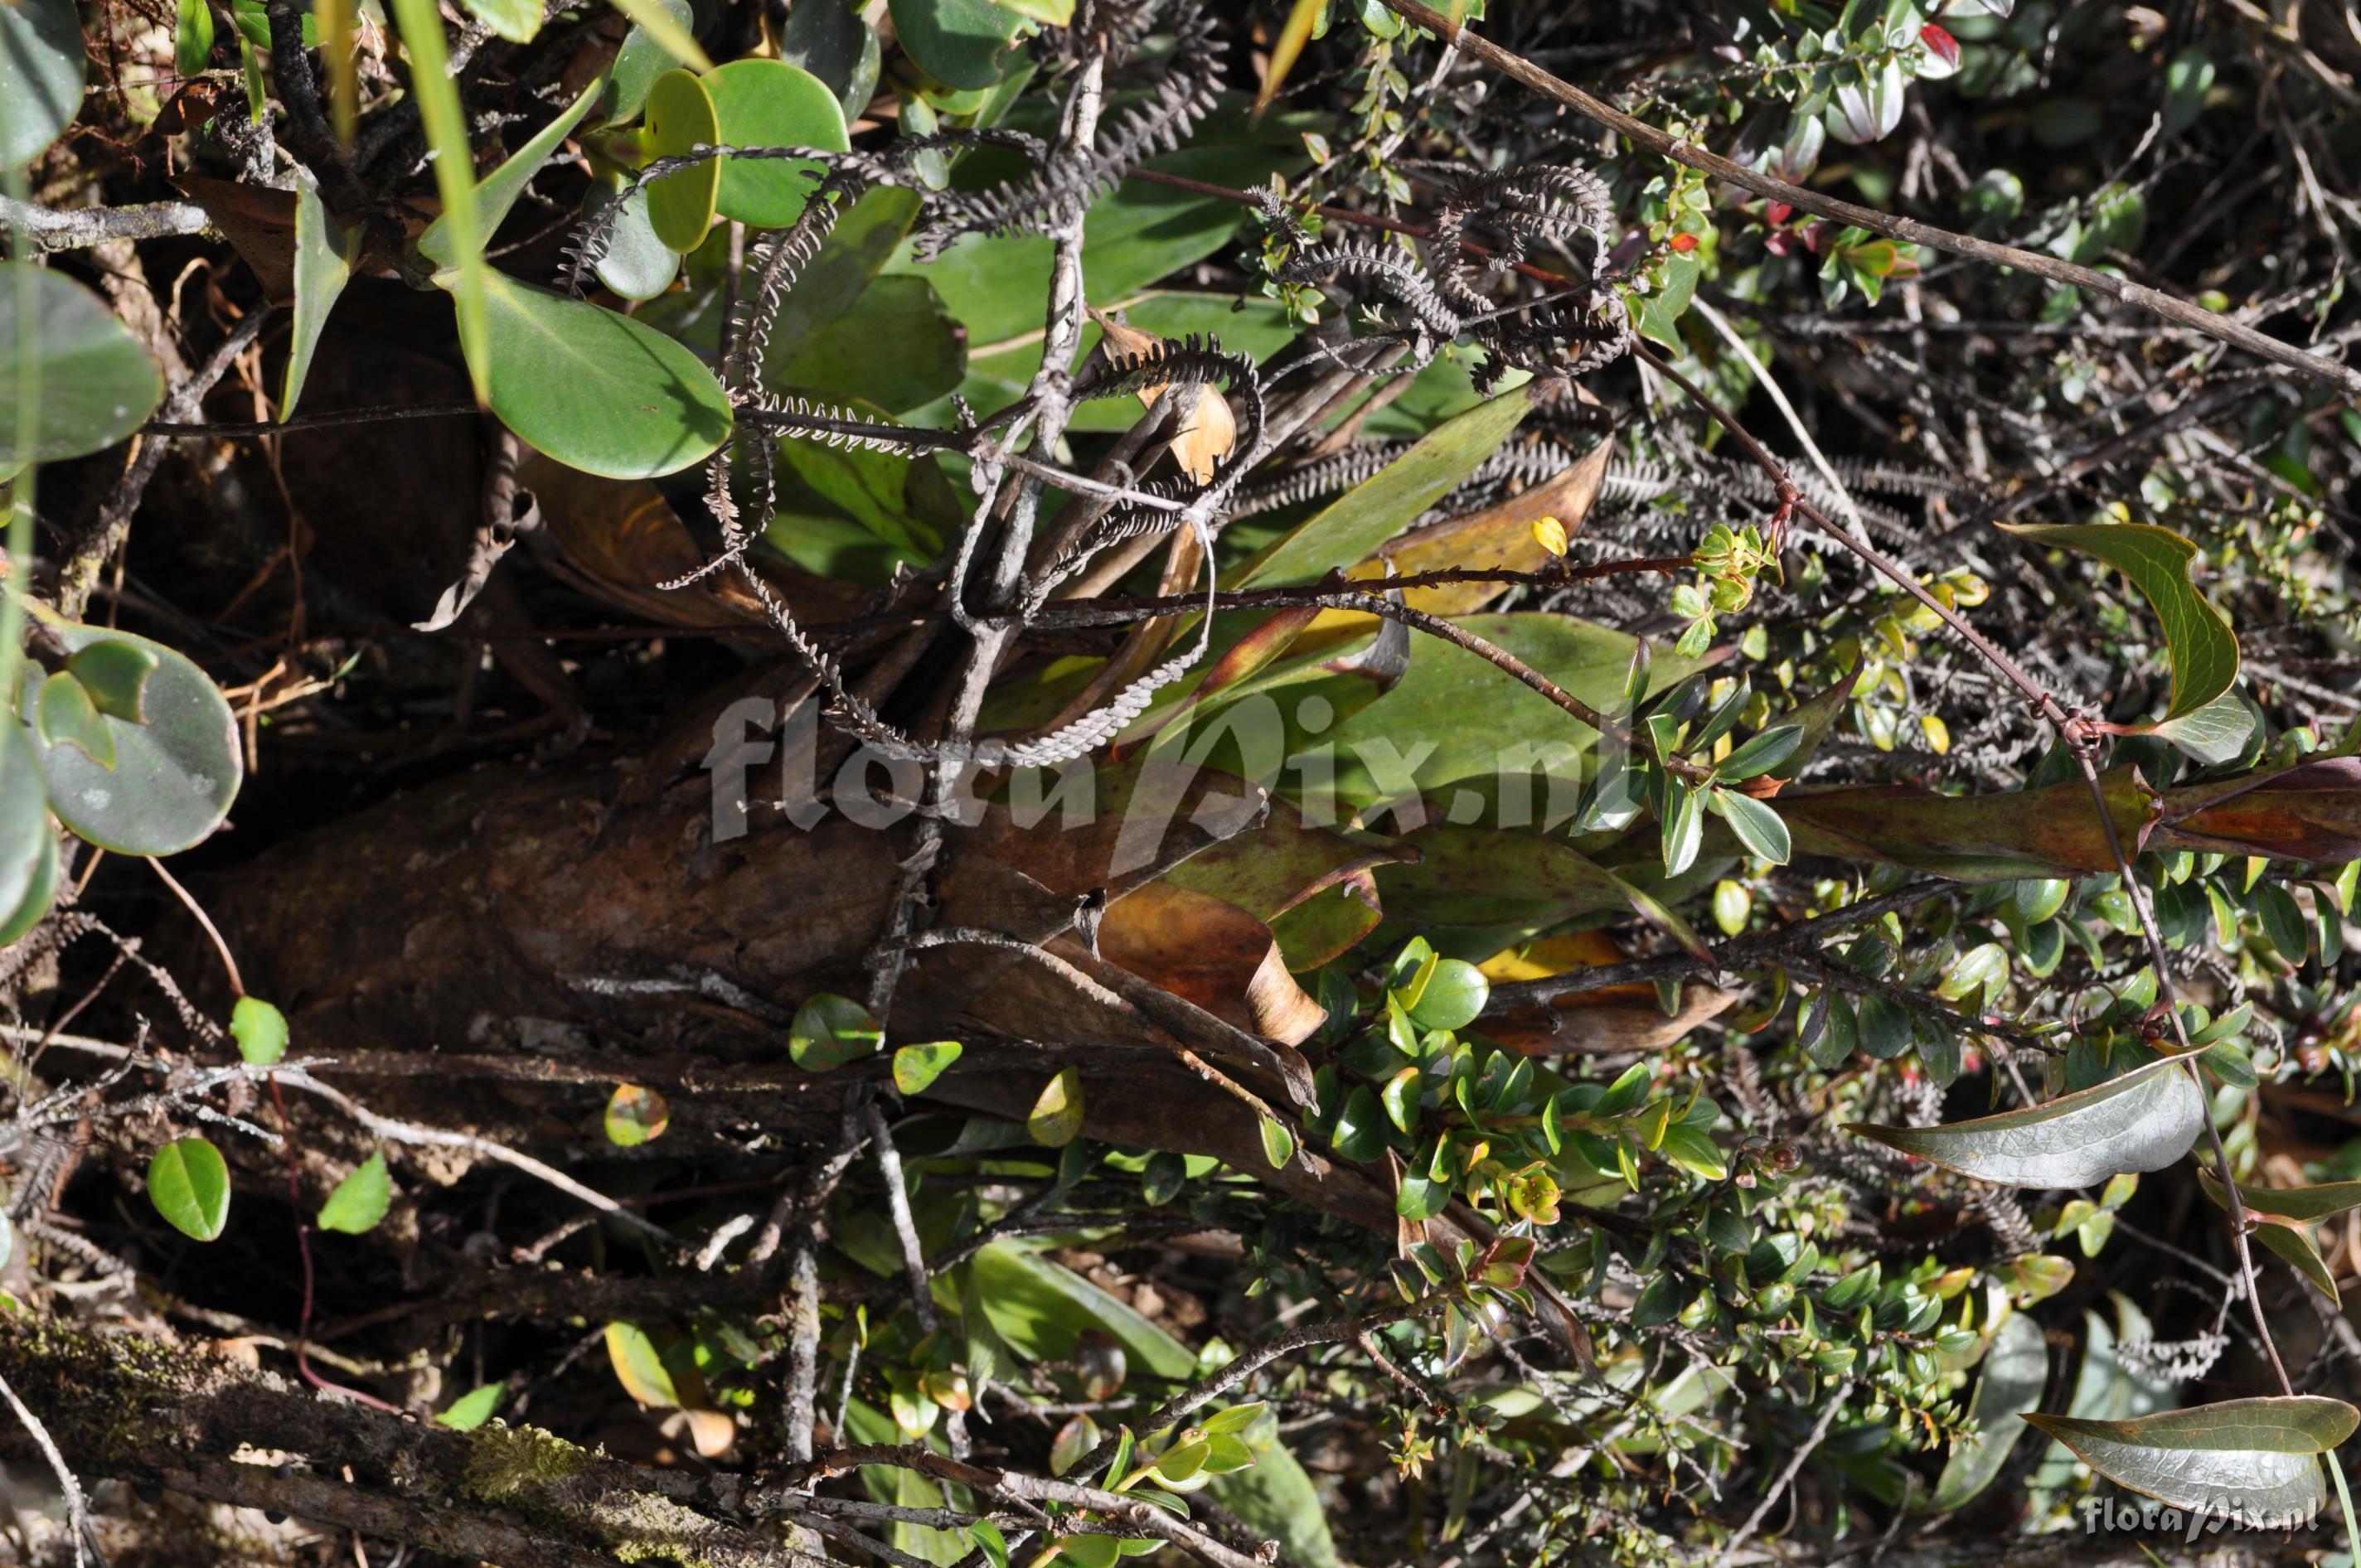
174 775
92 383
916 1067
636 1116
829 1031
190 1187
768 102
597 390
679 118
260 1029
360 1200
1454 994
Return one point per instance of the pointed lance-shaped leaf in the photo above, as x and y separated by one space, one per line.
2257 1456
2142 1121
2324 1201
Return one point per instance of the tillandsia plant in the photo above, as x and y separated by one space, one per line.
1301 783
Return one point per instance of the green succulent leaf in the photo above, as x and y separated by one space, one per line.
90 382
597 390
174 774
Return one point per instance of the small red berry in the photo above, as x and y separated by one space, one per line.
1684 243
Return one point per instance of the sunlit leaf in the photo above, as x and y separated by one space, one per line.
635 1115
260 1029
2257 1455
189 1185
597 391
1055 1118
2198 640
2142 1121
360 1200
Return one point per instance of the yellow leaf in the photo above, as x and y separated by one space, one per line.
1057 1117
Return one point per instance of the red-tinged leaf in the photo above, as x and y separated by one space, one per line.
2309 812
2046 832
1942 51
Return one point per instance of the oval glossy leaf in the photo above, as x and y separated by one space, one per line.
40 76
174 775
635 1115
2203 649
2142 1121
2015 1371
93 383
960 43
597 390
2255 1455
1454 994
260 1029
190 1187
829 1031
916 1067
360 1200
680 117
768 102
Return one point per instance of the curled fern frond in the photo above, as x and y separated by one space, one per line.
1530 205
1391 270
1061 187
